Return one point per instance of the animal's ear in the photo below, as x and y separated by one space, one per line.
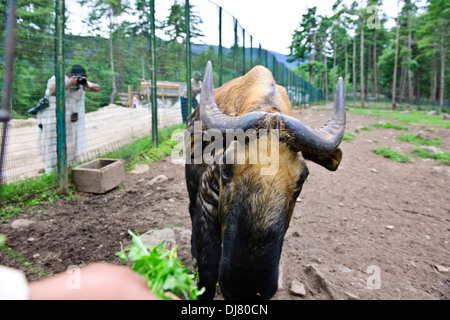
331 161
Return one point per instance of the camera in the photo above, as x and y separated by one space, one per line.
41 105
81 81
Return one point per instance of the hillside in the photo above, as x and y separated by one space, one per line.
282 58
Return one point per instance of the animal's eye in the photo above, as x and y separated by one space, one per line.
305 174
227 172
302 178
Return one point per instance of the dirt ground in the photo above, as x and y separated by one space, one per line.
374 229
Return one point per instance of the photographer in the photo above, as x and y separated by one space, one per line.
76 79
76 85
196 88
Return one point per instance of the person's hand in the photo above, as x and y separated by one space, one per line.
73 80
99 281
93 87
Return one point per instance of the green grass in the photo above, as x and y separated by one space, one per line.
443 158
363 128
23 195
388 125
30 200
392 155
142 151
17 190
418 117
349 136
414 139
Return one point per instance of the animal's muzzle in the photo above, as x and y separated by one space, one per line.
236 285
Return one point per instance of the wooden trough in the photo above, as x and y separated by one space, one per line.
99 176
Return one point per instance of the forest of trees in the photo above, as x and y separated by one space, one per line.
116 53
405 64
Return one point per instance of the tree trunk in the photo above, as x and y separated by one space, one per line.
142 59
375 87
362 62
394 77
419 74
119 64
402 84
354 71
346 69
176 66
410 85
326 77
443 57
434 79
334 68
313 56
368 73
111 60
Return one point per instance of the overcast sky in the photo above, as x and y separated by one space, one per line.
271 22
274 21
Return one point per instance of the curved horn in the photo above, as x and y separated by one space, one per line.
324 140
213 117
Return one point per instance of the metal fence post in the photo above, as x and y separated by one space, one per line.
266 58
260 55
5 111
188 56
243 51
154 86
61 145
274 69
220 49
235 47
251 51
10 43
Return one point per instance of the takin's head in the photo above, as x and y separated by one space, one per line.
254 208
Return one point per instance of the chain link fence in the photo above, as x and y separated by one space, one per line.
114 47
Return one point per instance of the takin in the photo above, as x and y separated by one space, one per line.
239 215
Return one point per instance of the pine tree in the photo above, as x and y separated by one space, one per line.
394 77
109 9
304 41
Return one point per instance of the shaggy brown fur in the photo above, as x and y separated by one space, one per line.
255 91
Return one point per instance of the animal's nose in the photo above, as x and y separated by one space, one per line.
246 293
247 287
